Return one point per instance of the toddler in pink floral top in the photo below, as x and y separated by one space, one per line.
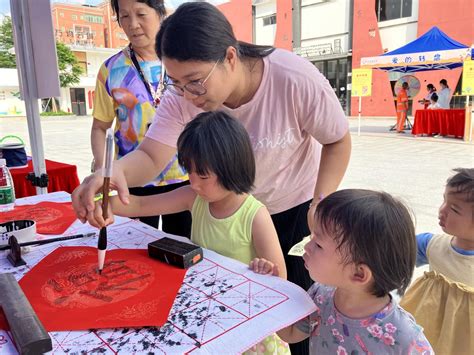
362 247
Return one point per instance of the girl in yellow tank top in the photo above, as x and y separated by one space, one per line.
216 151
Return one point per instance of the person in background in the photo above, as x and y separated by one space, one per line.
128 90
402 107
362 247
426 100
444 95
217 153
434 105
442 300
299 132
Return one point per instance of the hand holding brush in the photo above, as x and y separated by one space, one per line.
107 172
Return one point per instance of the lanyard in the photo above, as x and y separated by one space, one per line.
155 95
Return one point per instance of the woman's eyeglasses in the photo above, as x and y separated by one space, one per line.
195 88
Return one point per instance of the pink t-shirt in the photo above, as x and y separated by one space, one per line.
293 109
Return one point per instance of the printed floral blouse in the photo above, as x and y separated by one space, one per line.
390 331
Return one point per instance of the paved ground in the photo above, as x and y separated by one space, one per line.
414 169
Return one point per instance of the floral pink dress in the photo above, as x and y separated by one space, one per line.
390 331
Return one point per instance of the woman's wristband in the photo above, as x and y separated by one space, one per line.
99 196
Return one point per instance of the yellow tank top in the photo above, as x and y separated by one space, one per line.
231 236
445 260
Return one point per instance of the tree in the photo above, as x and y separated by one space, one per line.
7 59
69 68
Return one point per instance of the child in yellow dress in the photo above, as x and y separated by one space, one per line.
442 300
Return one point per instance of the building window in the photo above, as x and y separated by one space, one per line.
74 17
93 18
270 20
393 9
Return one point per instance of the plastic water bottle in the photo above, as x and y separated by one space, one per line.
7 191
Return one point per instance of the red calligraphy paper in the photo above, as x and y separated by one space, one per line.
133 290
50 217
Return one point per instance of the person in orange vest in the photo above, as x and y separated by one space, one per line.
402 107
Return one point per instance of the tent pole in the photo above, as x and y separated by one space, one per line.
36 141
360 112
37 66
467 121
471 109
28 86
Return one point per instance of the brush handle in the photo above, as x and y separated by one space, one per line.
102 243
51 240
105 199
109 156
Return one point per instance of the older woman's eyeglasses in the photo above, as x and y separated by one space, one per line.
196 87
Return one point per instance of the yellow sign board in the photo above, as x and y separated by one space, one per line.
468 78
361 82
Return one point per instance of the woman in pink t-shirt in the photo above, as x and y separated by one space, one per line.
293 117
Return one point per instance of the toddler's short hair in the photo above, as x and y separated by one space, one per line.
463 183
375 229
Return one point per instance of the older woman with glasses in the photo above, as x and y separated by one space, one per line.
128 90
299 132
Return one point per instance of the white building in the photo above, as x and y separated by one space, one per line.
79 97
323 32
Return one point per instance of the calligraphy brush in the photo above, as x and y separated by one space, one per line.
51 240
107 173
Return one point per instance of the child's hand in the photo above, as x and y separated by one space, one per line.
263 266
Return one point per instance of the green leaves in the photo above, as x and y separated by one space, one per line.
7 58
69 68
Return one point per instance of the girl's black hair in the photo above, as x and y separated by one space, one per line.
430 87
463 183
444 82
434 97
374 229
199 31
157 5
214 142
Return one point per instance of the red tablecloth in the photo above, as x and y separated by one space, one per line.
443 122
62 177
